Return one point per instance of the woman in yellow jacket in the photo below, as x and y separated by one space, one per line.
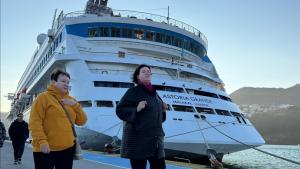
53 139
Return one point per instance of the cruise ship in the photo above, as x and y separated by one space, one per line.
100 47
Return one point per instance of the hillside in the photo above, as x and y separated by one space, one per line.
267 96
280 126
274 111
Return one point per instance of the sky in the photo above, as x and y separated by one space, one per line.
252 43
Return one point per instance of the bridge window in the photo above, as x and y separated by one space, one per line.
86 103
115 32
203 93
60 37
238 116
187 46
169 88
160 37
127 33
138 34
104 32
149 35
223 112
204 110
93 32
104 103
178 42
169 40
183 108
225 98
113 84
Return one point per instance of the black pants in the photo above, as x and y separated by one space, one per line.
58 159
155 163
18 149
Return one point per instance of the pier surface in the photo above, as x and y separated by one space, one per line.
92 160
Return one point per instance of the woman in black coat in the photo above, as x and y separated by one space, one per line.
143 113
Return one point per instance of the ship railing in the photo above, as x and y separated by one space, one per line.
198 68
203 68
118 72
149 17
157 75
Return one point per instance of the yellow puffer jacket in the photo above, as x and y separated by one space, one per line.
48 122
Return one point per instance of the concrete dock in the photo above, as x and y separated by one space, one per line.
92 160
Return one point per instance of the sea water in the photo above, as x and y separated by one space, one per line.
252 159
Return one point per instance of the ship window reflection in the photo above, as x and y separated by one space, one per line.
225 98
205 110
87 103
93 32
104 103
236 114
126 85
169 40
187 46
104 32
138 34
183 108
60 37
203 93
149 36
115 32
127 33
169 88
160 37
190 91
113 84
178 42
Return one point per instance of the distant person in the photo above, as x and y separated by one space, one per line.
143 113
18 133
53 138
2 133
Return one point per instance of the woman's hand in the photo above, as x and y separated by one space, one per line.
45 148
69 102
141 105
165 107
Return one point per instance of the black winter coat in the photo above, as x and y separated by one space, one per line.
2 134
143 134
18 131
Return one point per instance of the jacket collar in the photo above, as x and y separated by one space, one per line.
53 90
143 87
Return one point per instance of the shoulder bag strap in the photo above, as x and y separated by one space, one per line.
68 115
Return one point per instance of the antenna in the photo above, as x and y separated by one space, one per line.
54 18
168 14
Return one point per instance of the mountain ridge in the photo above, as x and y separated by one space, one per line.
267 96
275 112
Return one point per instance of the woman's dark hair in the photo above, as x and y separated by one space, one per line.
137 72
57 72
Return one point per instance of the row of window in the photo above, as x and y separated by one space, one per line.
180 108
148 35
161 88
